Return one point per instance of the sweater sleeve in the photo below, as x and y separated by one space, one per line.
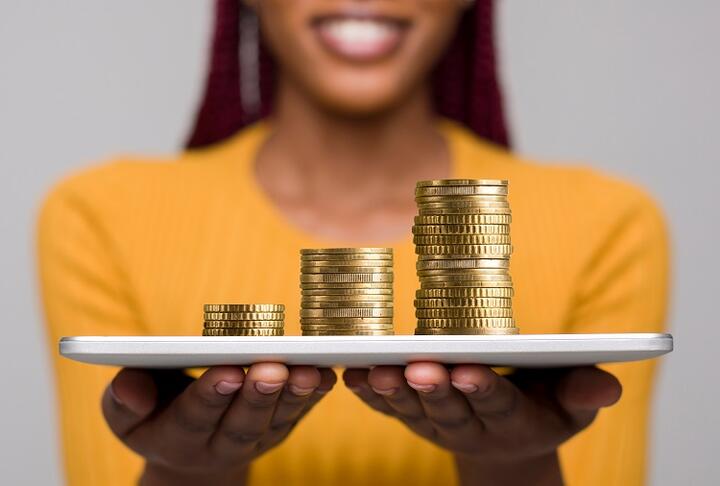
623 287
84 292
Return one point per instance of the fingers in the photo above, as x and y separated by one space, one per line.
357 381
390 384
128 400
327 382
196 413
446 408
582 391
302 383
248 417
489 395
297 399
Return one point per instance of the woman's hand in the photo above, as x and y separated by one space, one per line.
207 431
503 430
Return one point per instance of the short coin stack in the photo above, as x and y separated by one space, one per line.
346 291
462 238
244 320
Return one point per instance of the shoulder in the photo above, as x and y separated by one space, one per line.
125 185
92 189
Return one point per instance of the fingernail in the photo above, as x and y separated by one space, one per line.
385 391
422 388
301 391
227 387
268 388
114 396
465 387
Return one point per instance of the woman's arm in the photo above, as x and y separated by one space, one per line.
180 429
84 292
503 430
623 288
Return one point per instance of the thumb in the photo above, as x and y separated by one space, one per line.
582 391
128 400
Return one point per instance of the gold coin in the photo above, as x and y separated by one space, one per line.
309 304
488 274
488 331
467 322
462 264
347 278
345 321
462 204
381 258
309 292
346 263
463 219
340 325
244 308
346 298
461 229
311 270
345 251
244 316
473 198
244 324
465 293
460 190
462 182
454 312
461 239
466 211
346 285
348 312
452 272
243 332
348 333
466 284
495 251
364 328
481 302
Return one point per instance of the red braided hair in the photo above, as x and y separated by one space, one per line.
466 86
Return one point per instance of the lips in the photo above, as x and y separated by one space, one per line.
360 39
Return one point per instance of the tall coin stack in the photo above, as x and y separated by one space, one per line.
462 239
244 320
346 291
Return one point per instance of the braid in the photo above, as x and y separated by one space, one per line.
466 86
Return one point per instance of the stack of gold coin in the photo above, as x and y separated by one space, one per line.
346 291
244 320
462 239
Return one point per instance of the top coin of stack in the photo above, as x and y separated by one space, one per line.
244 320
346 291
462 238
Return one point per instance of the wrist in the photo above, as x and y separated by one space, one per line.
539 471
157 475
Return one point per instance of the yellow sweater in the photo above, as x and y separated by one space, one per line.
137 246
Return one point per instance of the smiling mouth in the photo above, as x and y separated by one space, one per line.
360 39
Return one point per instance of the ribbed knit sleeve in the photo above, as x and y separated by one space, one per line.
84 293
622 287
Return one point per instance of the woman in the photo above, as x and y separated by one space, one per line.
138 245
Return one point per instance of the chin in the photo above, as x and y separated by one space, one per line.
360 99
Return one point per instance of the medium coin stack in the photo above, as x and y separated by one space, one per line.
346 291
462 239
244 320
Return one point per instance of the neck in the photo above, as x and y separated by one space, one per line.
337 166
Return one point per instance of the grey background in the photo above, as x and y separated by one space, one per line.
629 87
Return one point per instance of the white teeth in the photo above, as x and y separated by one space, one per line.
360 31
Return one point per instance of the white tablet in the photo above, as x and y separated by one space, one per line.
529 350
